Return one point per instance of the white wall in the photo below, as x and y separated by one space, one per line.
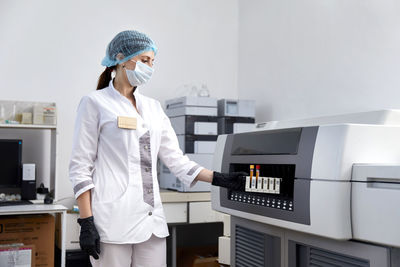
51 51
311 58
296 58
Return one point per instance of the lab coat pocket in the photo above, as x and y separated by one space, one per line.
119 220
109 186
105 211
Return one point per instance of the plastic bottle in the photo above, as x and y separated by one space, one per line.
2 114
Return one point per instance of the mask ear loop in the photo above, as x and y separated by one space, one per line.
119 57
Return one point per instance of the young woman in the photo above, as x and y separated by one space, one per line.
119 134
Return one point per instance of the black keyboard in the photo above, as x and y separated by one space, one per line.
17 202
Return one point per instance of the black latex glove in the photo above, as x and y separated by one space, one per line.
233 180
89 239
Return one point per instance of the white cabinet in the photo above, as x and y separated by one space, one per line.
175 212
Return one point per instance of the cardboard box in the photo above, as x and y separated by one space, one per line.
37 230
192 256
206 262
17 255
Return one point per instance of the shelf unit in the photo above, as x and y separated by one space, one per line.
39 146
27 126
39 141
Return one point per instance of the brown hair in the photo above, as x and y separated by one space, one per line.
105 78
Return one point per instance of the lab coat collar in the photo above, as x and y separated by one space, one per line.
136 94
115 92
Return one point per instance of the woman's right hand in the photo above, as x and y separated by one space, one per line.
89 238
232 180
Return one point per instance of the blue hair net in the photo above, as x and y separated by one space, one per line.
126 45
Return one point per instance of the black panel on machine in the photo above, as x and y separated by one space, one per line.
267 143
279 199
191 139
190 121
283 160
225 124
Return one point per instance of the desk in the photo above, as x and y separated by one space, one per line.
186 208
40 209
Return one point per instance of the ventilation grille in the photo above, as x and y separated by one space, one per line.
249 248
322 258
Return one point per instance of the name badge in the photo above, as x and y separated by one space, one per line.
127 122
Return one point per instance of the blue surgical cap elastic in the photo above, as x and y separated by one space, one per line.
126 45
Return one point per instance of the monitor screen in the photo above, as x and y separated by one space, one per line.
10 163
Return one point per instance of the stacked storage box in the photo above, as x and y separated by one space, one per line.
236 116
195 122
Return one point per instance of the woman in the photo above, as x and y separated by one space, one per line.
119 133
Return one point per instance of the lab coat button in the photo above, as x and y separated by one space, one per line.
147 169
149 191
150 213
146 147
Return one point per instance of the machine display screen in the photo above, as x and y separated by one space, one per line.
267 142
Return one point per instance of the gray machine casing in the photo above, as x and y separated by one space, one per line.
191 105
324 178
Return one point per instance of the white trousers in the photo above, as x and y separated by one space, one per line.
152 253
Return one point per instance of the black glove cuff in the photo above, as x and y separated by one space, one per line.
89 220
216 177
233 180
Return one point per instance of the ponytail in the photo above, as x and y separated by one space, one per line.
105 78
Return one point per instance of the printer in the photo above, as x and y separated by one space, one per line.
327 191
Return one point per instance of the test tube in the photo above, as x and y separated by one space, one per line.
2 114
251 177
251 171
260 184
14 112
248 183
254 184
271 185
258 179
265 187
278 185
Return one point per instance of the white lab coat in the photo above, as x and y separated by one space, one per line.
119 165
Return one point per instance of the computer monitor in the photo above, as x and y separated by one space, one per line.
10 166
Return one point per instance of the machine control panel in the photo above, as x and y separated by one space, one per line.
277 165
267 186
261 200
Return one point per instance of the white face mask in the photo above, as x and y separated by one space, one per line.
140 75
